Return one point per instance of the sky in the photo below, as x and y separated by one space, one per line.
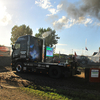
77 22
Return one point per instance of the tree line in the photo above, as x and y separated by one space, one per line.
18 31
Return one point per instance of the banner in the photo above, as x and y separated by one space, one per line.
4 51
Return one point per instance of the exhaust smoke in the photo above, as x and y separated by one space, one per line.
81 12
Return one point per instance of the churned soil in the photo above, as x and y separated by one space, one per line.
15 94
10 81
9 86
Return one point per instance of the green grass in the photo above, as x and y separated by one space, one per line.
48 93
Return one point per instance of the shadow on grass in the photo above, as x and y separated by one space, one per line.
72 87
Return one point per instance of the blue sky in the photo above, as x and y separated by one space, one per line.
76 23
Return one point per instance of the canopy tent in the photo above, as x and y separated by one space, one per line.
95 58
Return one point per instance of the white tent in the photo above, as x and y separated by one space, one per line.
95 58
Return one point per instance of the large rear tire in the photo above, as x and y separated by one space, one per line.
19 67
55 72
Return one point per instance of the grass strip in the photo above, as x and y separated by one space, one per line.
48 93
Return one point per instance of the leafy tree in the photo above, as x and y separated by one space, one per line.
19 31
56 55
52 39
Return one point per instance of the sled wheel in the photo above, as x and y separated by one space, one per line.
19 67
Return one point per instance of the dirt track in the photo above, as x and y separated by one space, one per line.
15 94
9 86
10 78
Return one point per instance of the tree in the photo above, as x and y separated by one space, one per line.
19 31
52 39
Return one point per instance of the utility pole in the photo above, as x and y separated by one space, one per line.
59 54
82 51
72 51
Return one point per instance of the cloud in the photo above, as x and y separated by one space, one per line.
97 24
67 23
54 11
62 51
59 6
80 12
37 29
45 4
60 23
5 17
